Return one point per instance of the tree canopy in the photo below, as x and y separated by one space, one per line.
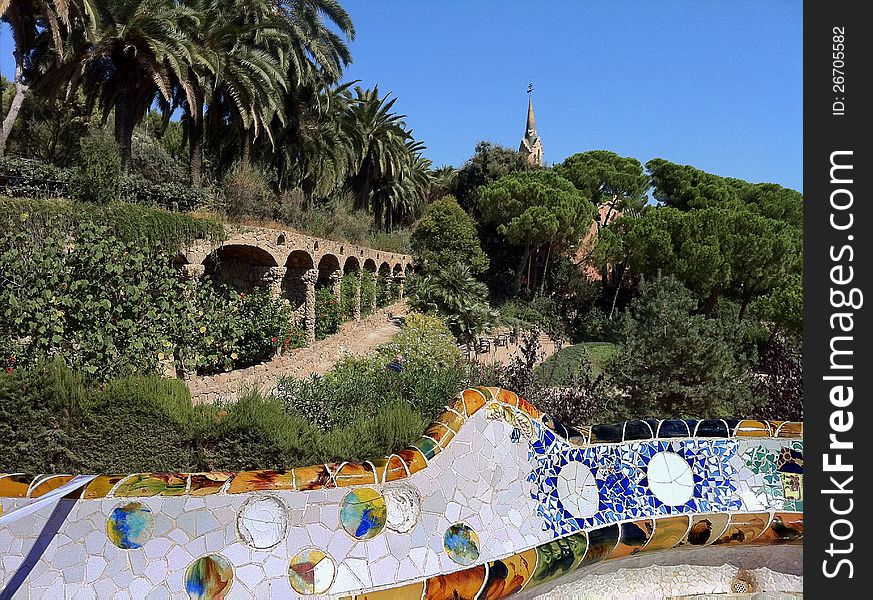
445 235
534 209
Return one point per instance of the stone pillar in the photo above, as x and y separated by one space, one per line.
336 281
192 271
310 277
399 279
273 280
357 307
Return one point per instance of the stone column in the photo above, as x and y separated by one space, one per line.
357 307
192 271
273 279
399 279
336 281
310 277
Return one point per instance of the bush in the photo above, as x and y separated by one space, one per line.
223 329
397 241
246 192
327 313
98 178
150 161
348 291
675 363
23 178
100 303
368 293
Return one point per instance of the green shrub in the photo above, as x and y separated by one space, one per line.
223 329
368 293
150 161
246 192
327 313
23 178
98 177
447 234
100 303
397 241
348 291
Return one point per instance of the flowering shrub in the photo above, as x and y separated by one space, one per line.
295 337
327 313
99 302
224 330
347 296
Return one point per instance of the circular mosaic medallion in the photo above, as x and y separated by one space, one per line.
363 513
311 571
578 491
209 578
262 521
403 507
130 525
670 478
461 544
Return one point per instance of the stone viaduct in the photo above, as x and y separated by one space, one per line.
290 265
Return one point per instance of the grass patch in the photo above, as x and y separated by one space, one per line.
556 369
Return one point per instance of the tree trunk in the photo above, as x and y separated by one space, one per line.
15 106
546 267
519 271
617 289
246 148
195 144
712 302
124 127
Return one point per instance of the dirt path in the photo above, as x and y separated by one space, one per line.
350 343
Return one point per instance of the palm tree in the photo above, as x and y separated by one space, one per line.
380 145
315 149
143 51
454 293
241 76
29 20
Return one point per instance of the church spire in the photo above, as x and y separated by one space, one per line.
531 147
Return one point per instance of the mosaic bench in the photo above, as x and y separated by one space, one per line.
495 499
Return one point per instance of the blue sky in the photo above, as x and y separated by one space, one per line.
714 84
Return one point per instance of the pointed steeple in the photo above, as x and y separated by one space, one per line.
531 146
531 129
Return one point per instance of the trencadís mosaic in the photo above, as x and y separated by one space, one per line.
494 499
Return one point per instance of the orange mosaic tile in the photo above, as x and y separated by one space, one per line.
205 484
634 536
668 533
784 528
413 591
311 478
460 584
508 576
452 420
510 398
395 469
744 528
457 405
529 408
705 529
355 474
751 428
153 484
15 486
380 466
790 429
100 486
253 481
414 459
473 401
49 483
439 433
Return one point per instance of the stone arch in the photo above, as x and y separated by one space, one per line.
398 268
370 265
293 285
328 264
351 265
241 266
385 269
